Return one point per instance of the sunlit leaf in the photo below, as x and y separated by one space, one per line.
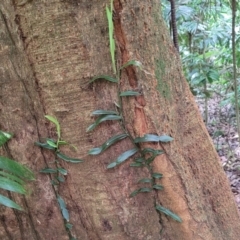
55 121
108 143
157 175
48 170
63 208
158 187
12 186
102 119
132 63
124 156
9 203
4 137
16 168
68 159
52 144
108 78
168 213
165 138
145 180
129 93
104 112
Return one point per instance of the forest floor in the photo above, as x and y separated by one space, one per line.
221 125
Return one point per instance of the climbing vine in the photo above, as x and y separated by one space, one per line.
143 157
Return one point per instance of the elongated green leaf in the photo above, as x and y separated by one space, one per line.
111 165
136 164
102 119
134 193
168 213
129 93
63 143
12 186
4 137
108 78
165 138
152 138
12 177
151 159
55 121
108 143
61 202
65 214
158 187
68 159
147 138
124 156
16 168
145 189
52 144
44 145
9 203
60 179
157 175
139 160
48 170
62 171
104 112
145 180
133 63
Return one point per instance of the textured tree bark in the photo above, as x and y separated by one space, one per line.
49 51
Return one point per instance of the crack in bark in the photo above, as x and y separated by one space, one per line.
2 219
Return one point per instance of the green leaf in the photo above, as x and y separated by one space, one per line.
9 203
132 62
54 182
63 143
145 180
16 168
60 179
157 175
152 138
151 159
52 144
136 164
68 226
63 171
111 165
12 186
165 138
124 156
48 170
55 121
145 189
11 176
61 202
104 112
44 145
139 160
4 137
134 193
68 159
129 93
108 78
158 187
168 213
108 143
102 119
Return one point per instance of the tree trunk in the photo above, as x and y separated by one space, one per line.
49 51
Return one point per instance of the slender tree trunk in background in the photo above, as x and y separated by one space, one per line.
49 50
